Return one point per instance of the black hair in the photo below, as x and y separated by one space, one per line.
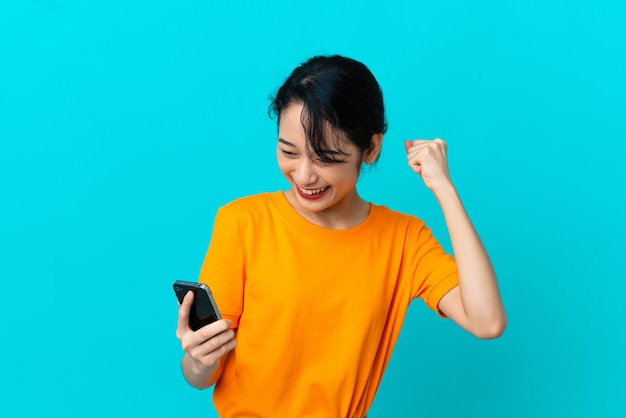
336 91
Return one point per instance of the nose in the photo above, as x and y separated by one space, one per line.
305 173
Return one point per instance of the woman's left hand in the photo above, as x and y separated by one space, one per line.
428 159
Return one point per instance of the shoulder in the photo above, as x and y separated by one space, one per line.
401 227
248 202
397 219
253 207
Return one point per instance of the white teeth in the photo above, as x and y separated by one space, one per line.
313 192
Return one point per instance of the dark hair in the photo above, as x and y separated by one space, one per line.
336 91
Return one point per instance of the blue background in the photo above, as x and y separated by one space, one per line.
125 124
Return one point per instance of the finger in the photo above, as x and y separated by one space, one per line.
183 313
214 344
211 359
209 331
418 154
415 159
436 147
416 147
408 144
195 339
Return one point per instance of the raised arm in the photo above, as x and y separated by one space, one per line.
475 304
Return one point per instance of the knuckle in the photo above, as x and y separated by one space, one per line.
198 357
210 332
186 343
206 361
213 344
204 333
224 349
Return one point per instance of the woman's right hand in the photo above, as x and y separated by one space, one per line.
206 346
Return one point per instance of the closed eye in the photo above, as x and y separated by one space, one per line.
288 153
325 163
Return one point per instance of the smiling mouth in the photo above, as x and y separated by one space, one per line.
312 192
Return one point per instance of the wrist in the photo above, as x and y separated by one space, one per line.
445 192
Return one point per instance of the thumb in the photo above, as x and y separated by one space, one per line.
183 312
407 145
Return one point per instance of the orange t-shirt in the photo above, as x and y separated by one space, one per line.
317 311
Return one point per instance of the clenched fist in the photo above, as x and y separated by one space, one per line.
428 159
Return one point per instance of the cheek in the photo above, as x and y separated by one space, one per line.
346 176
284 165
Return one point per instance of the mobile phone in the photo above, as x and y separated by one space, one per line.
203 309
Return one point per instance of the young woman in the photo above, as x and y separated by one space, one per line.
314 282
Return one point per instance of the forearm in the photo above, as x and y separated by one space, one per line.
199 379
478 286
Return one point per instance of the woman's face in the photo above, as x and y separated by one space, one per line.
318 188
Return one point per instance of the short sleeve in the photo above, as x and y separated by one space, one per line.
223 266
434 271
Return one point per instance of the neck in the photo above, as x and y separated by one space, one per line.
348 213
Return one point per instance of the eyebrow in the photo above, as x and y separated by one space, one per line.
286 142
327 151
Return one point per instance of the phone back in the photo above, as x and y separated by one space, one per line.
203 309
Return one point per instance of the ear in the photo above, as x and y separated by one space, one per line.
374 150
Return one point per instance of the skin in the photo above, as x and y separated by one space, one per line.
204 348
340 207
475 304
